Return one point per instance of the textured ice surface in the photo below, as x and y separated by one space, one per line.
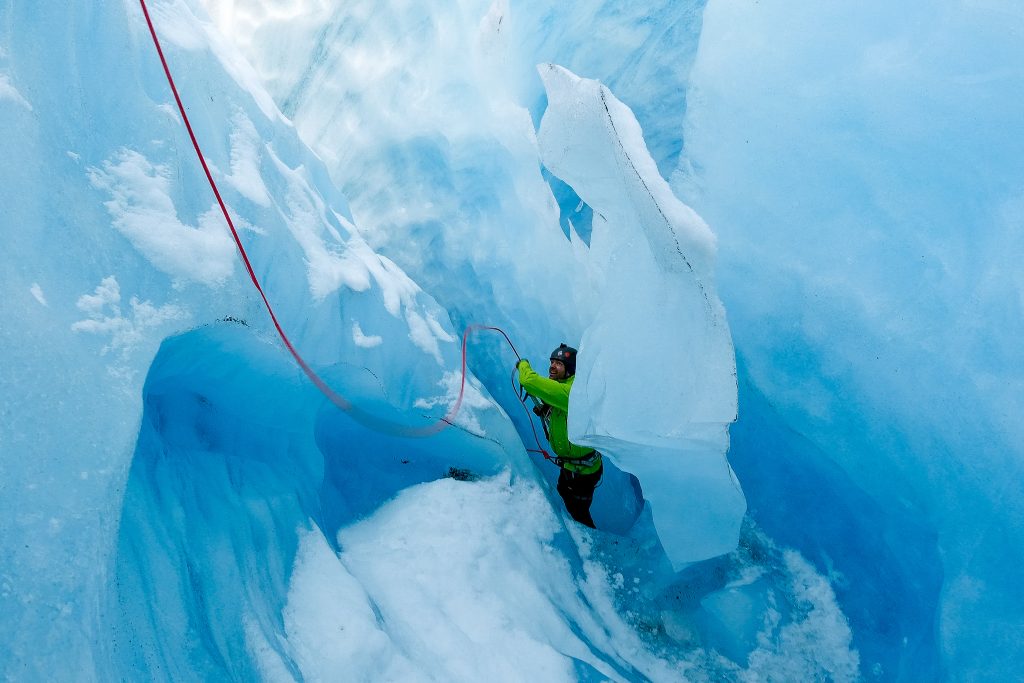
112 246
857 164
862 170
657 379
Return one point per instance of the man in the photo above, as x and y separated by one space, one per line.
581 465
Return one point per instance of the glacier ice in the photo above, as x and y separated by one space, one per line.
126 259
862 171
423 161
176 500
659 327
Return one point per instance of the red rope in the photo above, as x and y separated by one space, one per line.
335 398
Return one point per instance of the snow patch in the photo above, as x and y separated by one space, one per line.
37 292
817 645
397 288
437 330
422 336
473 399
485 567
142 210
363 341
331 624
245 160
330 261
105 317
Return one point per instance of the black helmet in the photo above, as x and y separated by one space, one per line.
567 355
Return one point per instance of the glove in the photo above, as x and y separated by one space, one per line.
522 361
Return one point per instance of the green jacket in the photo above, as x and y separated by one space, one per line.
555 393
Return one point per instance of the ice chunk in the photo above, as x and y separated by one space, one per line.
656 384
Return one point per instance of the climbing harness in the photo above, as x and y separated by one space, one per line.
337 399
586 461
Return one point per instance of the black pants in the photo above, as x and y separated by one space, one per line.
577 490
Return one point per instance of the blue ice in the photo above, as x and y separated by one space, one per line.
804 219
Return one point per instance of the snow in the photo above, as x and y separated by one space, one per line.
479 543
332 623
105 317
143 211
245 161
363 340
37 292
474 398
178 501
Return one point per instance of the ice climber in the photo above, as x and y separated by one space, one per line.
580 465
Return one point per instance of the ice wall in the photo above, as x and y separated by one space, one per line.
112 244
656 387
900 490
861 166
439 162
424 117
160 516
